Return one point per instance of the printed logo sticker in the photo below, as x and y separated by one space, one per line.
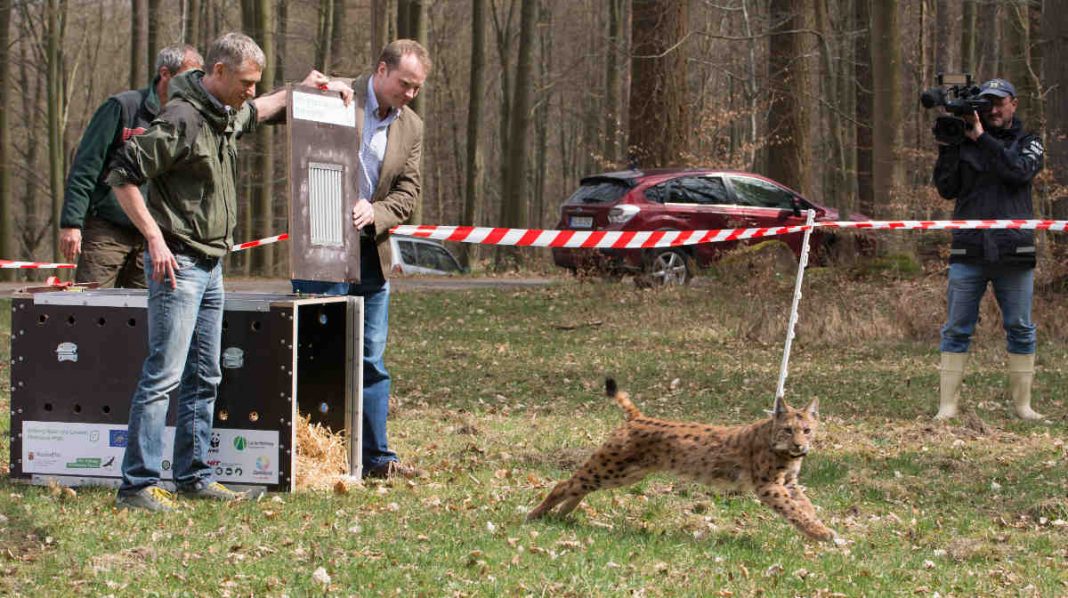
67 352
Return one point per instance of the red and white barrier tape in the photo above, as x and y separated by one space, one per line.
1054 225
32 265
628 239
654 239
588 239
258 242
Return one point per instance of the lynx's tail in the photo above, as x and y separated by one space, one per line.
622 399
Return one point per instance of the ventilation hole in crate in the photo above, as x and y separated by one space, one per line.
77 408
131 322
224 415
106 409
41 319
48 406
256 325
101 321
71 320
253 416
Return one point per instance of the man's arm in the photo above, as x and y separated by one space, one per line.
163 262
271 107
1018 164
89 163
397 206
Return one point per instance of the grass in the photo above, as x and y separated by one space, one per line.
498 395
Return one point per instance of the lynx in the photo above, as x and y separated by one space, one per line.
764 457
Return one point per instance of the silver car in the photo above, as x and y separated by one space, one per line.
422 256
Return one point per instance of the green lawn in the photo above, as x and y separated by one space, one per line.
498 394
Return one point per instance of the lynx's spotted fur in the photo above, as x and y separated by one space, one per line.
763 457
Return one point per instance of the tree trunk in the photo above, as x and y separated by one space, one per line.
191 23
403 19
338 50
55 110
262 258
281 31
968 55
541 111
862 71
379 27
616 23
137 44
417 31
949 27
1016 63
835 180
153 42
658 97
7 228
515 190
887 174
788 160
1055 79
325 36
473 187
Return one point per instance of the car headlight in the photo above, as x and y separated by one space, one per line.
622 213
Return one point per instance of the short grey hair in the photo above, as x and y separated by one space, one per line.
233 49
172 57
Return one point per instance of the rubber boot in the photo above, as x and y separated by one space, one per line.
1021 375
949 387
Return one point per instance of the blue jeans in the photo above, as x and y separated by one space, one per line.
376 381
1013 289
184 337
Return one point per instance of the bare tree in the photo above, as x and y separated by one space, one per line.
56 99
887 173
788 159
325 36
137 44
514 206
262 261
863 75
473 187
658 97
7 230
191 22
613 80
379 26
153 41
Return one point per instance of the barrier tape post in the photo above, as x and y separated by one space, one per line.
780 390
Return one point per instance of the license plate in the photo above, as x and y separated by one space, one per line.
582 222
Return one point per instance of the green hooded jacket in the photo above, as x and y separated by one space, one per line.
187 163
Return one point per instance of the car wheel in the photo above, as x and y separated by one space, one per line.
667 268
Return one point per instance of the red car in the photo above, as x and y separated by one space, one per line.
676 199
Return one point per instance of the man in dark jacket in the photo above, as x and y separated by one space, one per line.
989 175
187 162
93 228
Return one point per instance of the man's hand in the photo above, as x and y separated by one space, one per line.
362 214
317 79
70 243
977 126
163 262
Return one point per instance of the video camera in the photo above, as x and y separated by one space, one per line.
959 96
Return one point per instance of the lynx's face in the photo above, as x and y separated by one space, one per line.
793 428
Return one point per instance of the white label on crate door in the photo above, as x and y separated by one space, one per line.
323 109
68 448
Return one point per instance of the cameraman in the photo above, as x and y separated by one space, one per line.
989 175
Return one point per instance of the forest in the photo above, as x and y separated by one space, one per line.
526 97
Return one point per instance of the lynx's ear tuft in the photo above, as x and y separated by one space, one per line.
813 408
610 387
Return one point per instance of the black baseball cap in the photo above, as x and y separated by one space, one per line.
997 87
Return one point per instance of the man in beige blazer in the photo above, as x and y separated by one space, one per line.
388 182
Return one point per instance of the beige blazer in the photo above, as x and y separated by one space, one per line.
399 185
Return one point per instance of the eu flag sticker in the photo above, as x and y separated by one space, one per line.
117 438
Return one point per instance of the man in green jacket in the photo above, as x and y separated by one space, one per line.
187 162
93 228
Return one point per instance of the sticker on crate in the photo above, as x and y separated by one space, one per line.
68 448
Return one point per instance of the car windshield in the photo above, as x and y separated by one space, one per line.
599 191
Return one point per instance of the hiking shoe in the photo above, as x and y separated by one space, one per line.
211 491
393 469
152 498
